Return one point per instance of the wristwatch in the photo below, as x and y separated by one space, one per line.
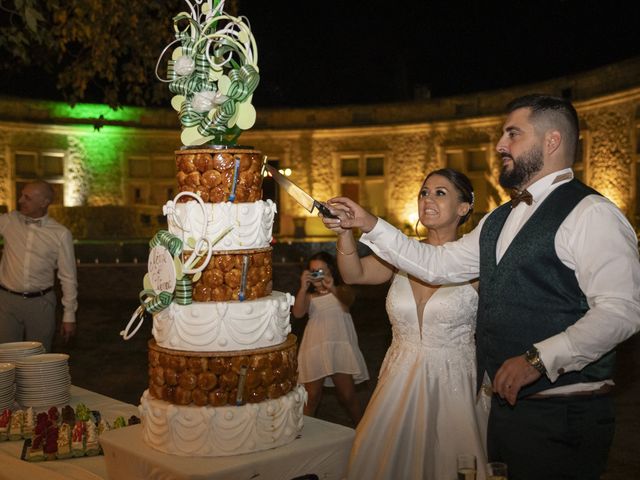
532 356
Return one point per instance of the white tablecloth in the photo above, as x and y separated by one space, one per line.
84 468
322 449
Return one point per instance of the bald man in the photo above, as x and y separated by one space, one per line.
35 246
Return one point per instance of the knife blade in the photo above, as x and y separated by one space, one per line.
299 195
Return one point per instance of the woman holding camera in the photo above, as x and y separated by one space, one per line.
329 354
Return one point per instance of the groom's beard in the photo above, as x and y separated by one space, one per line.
524 168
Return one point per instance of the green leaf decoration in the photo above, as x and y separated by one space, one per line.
146 282
178 265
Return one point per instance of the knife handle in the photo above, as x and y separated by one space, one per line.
324 210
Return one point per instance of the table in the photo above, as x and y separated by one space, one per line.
322 449
83 468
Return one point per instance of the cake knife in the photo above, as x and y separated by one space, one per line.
299 195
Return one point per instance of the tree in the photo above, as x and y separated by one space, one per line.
92 50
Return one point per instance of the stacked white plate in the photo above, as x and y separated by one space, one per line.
43 380
10 352
7 385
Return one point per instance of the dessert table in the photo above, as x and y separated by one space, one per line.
322 449
83 468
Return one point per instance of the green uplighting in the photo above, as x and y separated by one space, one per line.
92 111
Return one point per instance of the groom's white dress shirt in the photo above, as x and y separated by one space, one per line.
595 240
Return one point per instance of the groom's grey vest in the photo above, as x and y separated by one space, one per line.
530 295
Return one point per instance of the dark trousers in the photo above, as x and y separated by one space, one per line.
561 438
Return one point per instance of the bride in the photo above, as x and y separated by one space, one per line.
424 411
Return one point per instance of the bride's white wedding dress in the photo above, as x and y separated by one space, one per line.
424 411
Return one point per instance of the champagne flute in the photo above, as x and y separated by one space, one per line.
466 467
496 471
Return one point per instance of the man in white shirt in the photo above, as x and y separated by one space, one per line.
559 289
35 246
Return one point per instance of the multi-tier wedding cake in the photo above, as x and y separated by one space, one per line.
222 363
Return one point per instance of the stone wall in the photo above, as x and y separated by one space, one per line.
611 165
412 137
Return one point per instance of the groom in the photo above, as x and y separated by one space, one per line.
559 289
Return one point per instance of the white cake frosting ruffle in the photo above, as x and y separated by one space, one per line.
251 223
221 431
224 326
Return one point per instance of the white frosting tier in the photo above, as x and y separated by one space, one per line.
224 326
221 431
252 223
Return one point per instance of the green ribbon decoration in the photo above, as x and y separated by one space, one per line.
153 303
244 81
168 241
230 50
184 291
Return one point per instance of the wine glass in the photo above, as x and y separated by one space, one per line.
496 471
466 467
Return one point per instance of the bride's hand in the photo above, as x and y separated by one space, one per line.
335 224
350 215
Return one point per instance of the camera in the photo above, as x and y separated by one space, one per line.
317 274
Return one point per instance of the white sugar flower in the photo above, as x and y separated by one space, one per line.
207 100
184 65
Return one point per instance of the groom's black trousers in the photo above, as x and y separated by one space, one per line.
559 438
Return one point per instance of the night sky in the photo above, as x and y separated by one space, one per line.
352 52
315 53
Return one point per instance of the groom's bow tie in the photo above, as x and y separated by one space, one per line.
517 197
33 221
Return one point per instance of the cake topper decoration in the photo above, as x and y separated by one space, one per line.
170 275
212 73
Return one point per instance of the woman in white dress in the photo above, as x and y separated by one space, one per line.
424 411
329 354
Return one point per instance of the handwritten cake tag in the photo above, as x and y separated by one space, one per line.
162 270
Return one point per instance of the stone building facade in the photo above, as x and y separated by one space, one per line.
113 170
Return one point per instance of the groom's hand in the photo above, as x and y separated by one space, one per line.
514 374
